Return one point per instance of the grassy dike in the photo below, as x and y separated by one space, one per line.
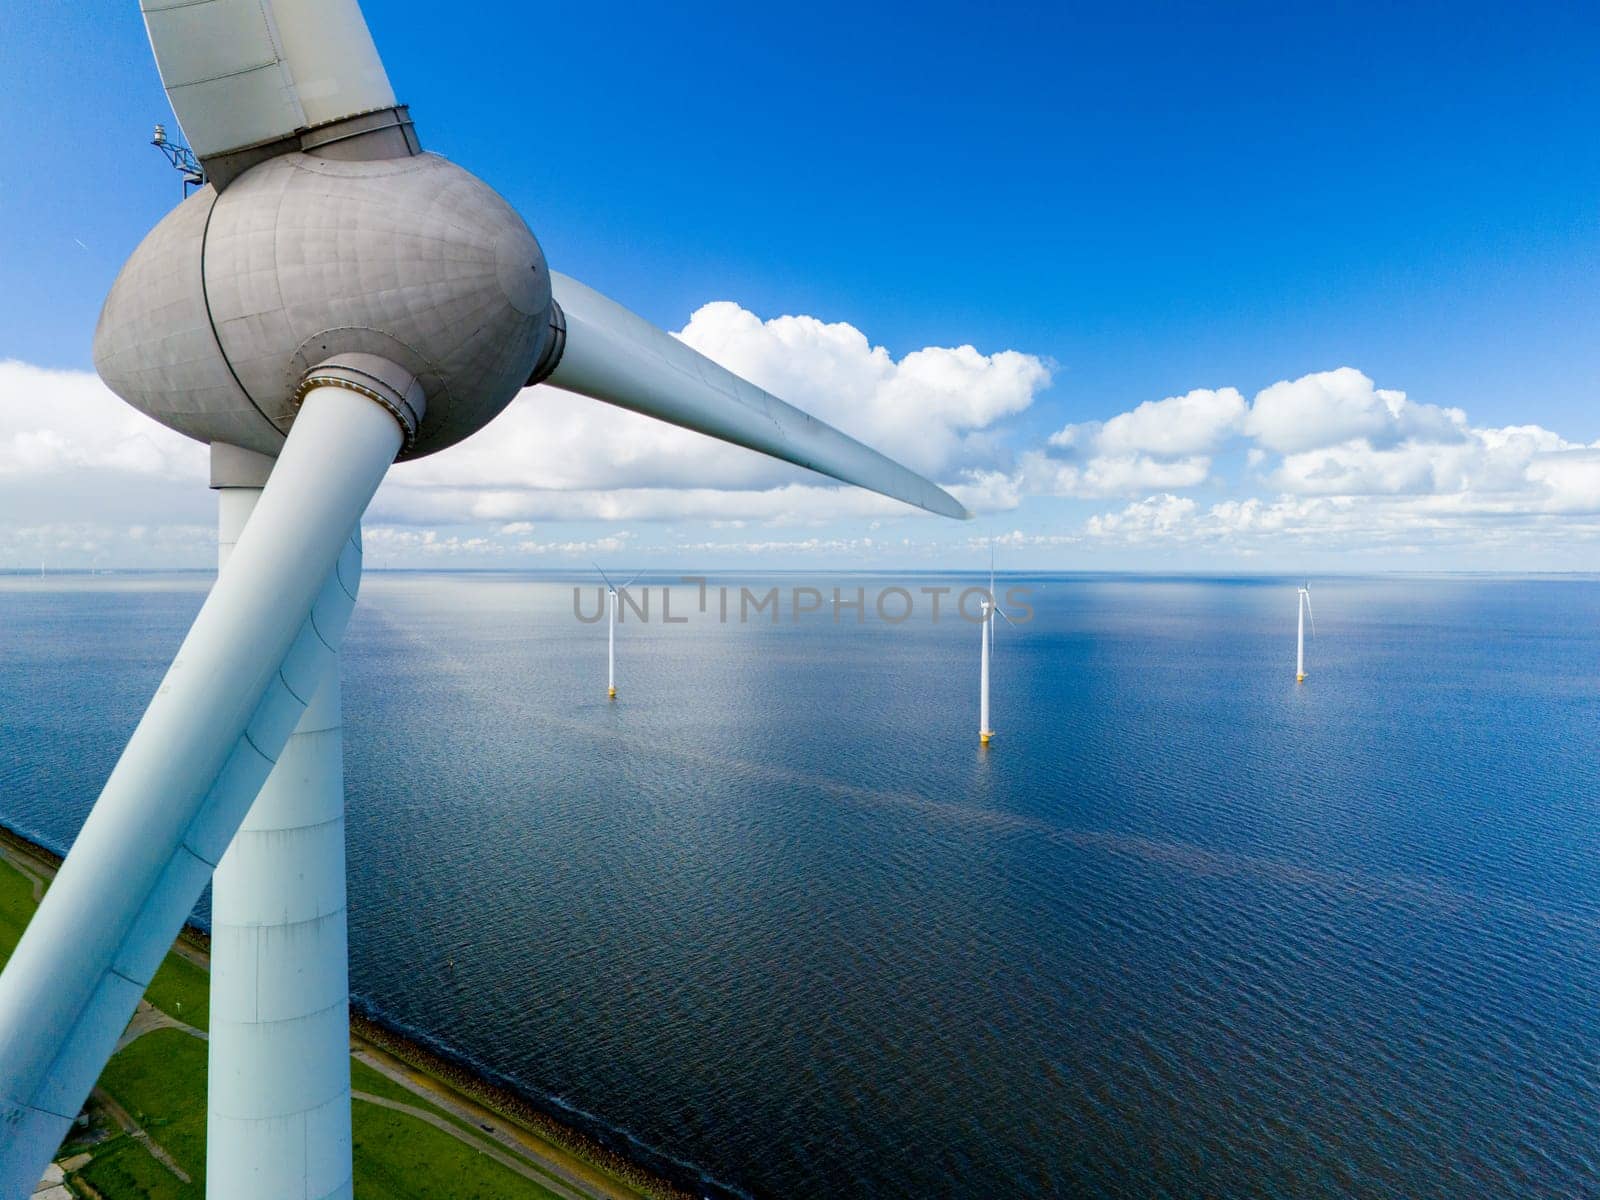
415 1135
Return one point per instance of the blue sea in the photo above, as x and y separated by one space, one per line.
774 921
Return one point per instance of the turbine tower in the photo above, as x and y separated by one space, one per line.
985 639
990 608
1304 611
611 632
333 299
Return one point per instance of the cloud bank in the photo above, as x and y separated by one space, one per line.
1327 461
1336 456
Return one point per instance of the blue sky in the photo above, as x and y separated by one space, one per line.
1149 201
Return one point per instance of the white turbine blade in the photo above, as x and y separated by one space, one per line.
603 575
1310 614
1008 619
615 356
240 73
636 575
206 744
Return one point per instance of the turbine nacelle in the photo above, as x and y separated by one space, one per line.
216 319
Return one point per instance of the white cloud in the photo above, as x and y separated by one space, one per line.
1353 467
1177 427
919 410
56 422
1526 466
105 543
1487 531
1336 464
1570 479
1108 475
1160 444
1336 449
87 481
381 542
613 544
1016 539
988 491
1153 517
791 504
863 547
1330 407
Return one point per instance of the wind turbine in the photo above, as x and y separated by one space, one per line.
332 300
1304 606
990 608
611 632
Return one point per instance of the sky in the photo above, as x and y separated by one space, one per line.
1258 287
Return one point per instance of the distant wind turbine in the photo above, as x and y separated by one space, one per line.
1304 606
991 609
611 632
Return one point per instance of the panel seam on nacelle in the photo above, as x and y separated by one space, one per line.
211 321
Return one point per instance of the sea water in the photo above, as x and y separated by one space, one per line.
775 922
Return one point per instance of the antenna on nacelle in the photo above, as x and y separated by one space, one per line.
181 158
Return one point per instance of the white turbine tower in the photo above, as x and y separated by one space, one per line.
985 638
331 300
1304 606
990 608
611 632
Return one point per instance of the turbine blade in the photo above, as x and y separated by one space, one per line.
604 576
636 575
242 73
1008 619
1310 614
615 356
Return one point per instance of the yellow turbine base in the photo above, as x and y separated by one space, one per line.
984 735
611 692
1300 678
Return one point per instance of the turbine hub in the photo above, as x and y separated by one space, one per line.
214 321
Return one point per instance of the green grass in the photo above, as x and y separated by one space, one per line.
401 1158
124 1170
16 907
161 1080
182 990
364 1079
